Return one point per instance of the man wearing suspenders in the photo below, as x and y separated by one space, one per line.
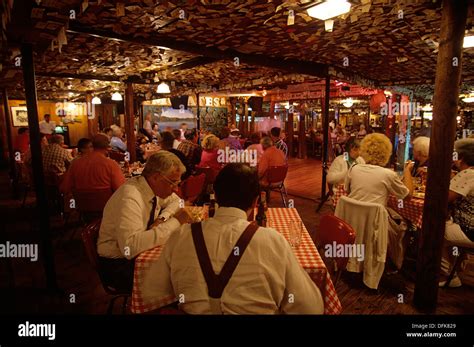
227 265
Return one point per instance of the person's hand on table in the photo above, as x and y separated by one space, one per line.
183 216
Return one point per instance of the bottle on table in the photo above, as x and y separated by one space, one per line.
212 205
261 217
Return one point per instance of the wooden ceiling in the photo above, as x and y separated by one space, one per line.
227 45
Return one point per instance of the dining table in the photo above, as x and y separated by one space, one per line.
280 218
411 210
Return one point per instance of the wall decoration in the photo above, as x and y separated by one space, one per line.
20 116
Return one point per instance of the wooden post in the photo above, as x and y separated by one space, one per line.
445 101
272 109
37 164
130 122
289 129
198 112
233 102
11 149
245 124
325 109
92 121
302 134
252 123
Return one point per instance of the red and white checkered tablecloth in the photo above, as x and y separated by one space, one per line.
411 210
306 253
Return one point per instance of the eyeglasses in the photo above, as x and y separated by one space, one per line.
172 183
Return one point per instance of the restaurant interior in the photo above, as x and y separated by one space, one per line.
326 79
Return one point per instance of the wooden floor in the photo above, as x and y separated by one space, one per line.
81 291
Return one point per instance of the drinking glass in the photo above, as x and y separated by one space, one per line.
296 229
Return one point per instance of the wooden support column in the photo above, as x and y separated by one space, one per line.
92 121
198 112
302 134
272 109
252 123
289 129
325 114
245 124
46 248
445 101
11 149
130 122
232 111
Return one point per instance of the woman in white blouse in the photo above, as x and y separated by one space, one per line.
372 182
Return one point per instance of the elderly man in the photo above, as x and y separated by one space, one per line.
421 149
130 225
271 156
94 171
267 276
276 136
189 147
56 159
116 141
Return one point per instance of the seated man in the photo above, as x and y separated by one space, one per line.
56 159
267 277
271 156
341 165
116 141
94 171
189 147
129 225
84 146
276 135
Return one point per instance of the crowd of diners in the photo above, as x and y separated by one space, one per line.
363 171
145 211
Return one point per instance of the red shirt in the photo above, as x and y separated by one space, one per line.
209 159
22 142
272 156
92 172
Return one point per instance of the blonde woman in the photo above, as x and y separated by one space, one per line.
210 145
372 182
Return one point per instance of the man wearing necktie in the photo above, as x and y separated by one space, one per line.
140 215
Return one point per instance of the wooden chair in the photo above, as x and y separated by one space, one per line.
333 229
89 235
276 181
192 187
90 204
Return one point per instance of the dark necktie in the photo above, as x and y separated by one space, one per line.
152 213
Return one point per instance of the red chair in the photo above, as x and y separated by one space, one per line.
211 173
90 204
192 187
333 229
89 235
276 181
117 156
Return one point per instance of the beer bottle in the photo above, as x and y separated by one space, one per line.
261 217
212 205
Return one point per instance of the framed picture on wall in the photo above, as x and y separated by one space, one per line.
20 116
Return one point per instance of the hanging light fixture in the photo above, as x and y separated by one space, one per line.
96 101
163 88
348 102
117 96
468 42
328 25
329 9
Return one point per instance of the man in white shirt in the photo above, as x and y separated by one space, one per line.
268 278
46 126
341 165
129 225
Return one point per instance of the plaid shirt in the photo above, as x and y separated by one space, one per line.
55 159
281 145
191 151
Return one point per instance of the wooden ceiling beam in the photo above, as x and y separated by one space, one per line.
290 65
